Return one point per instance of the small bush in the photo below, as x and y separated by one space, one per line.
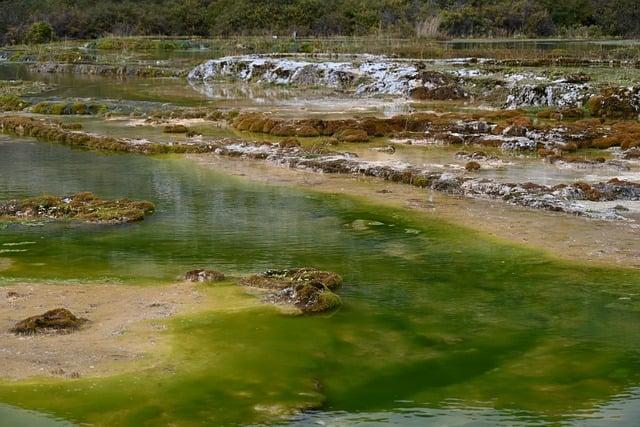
39 32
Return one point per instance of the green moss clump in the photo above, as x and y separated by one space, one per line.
71 126
618 103
307 289
420 181
352 135
84 207
55 132
64 108
12 103
175 129
327 301
314 297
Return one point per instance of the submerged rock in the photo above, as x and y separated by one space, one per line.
202 275
82 206
58 320
308 289
389 149
584 163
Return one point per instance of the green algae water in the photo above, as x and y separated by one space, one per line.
440 325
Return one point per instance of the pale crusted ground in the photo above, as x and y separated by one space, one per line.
562 235
124 327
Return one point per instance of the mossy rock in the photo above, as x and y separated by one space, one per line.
54 132
472 166
314 297
71 126
175 129
84 207
352 135
616 103
13 103
289 143
58 320
308 289
202 275
420 181
65 108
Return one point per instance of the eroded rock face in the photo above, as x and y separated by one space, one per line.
56 320
308 289
375 75
559 94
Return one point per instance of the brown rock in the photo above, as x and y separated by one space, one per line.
472 166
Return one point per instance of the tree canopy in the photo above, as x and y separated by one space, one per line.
430 18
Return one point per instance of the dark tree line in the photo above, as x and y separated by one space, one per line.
90 19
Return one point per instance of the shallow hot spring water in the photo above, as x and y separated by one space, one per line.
440 325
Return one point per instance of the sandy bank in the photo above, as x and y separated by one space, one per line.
125 329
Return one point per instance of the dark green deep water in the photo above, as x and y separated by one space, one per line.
440 325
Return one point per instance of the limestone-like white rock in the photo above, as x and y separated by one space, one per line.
372 75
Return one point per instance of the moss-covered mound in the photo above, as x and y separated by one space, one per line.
82 207
12 103
55 132
175 129
615 102
12 91
472 166
68 108
58 320
308 289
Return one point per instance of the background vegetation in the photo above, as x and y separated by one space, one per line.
423 18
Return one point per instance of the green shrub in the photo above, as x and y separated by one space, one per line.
39 32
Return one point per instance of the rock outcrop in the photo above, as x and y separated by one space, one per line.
374 75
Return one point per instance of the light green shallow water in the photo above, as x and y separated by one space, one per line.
440 325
